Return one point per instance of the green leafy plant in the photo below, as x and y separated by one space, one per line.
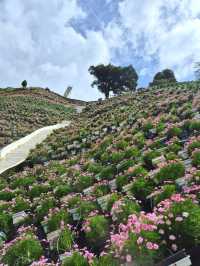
98 231
23 252
170 172
196 159
54 221
141 188
75 260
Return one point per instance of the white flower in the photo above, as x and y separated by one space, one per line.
185 214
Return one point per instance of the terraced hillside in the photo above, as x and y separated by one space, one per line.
120 186
25 110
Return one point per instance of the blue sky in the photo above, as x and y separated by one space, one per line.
52 43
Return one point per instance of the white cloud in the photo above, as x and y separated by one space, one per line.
37 43
166 31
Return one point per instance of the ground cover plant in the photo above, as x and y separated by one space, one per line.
25 110
120 186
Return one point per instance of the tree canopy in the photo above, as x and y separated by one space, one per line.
24 83
167 75
116 79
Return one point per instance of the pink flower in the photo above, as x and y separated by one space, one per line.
140 240
128 258
179 219
174 247
172 237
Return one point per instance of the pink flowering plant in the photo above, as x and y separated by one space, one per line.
138 240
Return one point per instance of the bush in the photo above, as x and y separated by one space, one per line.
21 205
37 190
122 209
116 157
121 181
196 159
101 190
194 145
106 260
62 190
175 148
75 260
6 223
54 221
98 231
107 172
6 195
148 157
125 165
168 190
141 188
174 132
65 241
85 207
24 252
133 153
172 171
186 231
23 182
84 182
43 209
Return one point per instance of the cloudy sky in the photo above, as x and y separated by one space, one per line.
52 43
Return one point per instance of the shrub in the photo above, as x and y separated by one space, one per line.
106 260
23 252
148 157
139 171
23 182
43 209
175 148
85 207
84 182
125 165
122 208
54 221
6 223
107 172
174 132
75 260
96 230
172 171
37 190
62 190
65 241
194 145
122 144
121 181
141 188
21 205
6 195
116 157
168 190
133 153
196 159
186 230
101 190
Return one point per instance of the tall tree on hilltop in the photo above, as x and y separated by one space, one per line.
167 75
116 79
24 84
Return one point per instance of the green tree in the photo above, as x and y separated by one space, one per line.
116 79
24 84
167 75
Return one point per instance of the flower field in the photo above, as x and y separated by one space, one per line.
119 186
24 111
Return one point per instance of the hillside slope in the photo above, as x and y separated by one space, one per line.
122 182
25 110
